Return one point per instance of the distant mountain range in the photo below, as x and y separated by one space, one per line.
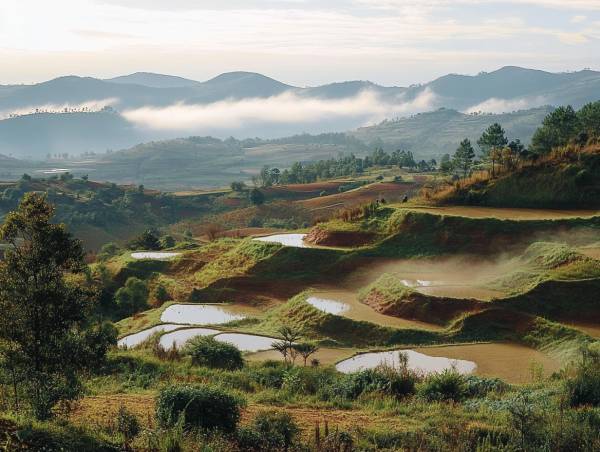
146 107
200 162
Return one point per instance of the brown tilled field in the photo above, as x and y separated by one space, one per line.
390 191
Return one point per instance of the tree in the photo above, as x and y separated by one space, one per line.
463 157
148 240
132 297
286 345
494 137
238 186
257 197
558 128
446 164
589 119
306 349
45 315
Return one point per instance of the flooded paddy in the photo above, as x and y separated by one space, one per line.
133 340
359 311
454 277
156 255
247 342
510 362
329 306
199 314
179 338
325 356
418 362
293 240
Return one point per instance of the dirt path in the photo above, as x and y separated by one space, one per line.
507 213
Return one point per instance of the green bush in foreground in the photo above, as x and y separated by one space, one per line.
584 388
270 431
445 386
204 407
207 351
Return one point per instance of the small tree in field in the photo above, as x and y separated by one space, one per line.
285 346
46 338
257 197
463 157
305 349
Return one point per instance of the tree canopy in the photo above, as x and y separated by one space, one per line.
46 333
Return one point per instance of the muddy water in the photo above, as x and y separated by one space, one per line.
293 240
591 251
154 255
327 305
199 314
247 342
510 362
456 277
179 338
418 362
359 311
588 328
133 340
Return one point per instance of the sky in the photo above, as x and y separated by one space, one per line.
301 42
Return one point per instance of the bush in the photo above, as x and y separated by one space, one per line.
270 431
132 297
480 386
207 351
445 386
584 388
398 382
127 424
161 295
167 241
204 407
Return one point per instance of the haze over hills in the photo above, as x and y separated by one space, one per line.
147 107
202 162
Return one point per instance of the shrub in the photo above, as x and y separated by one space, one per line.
207 351
398 382
270 431
445 386
161 295
133 296
205 407
480 386
584 388
168 241
127 424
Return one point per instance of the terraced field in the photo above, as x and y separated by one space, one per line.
362 300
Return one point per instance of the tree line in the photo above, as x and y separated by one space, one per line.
560 128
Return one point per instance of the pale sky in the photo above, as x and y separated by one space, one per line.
301 42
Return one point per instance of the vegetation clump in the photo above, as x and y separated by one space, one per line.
205 407
207 351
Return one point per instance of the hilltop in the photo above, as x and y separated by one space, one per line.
506 90
565 179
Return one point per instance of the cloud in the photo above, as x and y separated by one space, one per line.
496 105
288 108
578 19
90 105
